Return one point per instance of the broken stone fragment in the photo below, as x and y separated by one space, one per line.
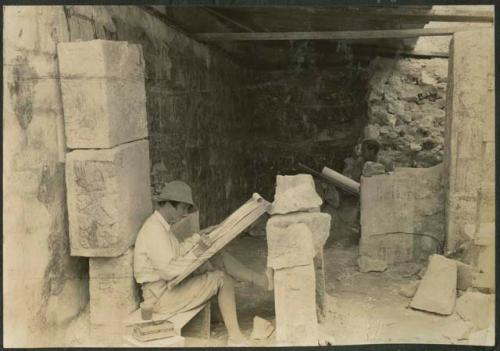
409 290
427 79
289 246
373 168
484 337
262 328
372 131
477 308
325 335
437 290
465 274
368 264
295 193
415 147
455 329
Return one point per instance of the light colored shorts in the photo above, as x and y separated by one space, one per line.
193 292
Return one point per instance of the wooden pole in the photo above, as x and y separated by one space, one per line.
340 35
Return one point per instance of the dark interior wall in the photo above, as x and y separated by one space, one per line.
195 96
310 115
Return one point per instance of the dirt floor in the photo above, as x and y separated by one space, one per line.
363 308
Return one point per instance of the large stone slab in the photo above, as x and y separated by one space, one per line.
289 247
477 308
104 99
109 198
295 306
402 214
295 193
318 223
437 291
113 291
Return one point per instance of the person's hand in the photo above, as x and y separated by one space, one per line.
205 239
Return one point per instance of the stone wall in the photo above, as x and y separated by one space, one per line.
406 109
311 115
44 287
470 152
194 106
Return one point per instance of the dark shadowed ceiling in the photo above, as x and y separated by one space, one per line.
278 54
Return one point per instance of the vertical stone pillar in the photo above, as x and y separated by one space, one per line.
291 256
113 295
319 225
470 141
296 234
107 173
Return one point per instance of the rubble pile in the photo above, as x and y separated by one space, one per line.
471 315
406 110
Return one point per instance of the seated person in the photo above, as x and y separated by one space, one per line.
369 152
156 250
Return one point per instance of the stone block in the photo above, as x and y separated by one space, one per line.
318 223
402 214
109 198
290 246
409 289
295 193
113 291
465 275
455 329
373 168
367 264
485 337
262 328
100 59
437 291
477 308
104 99
297 325
470 115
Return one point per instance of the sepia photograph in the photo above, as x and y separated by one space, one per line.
226 174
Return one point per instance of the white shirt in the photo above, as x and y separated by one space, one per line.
156 249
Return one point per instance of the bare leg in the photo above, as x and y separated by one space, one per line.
227 305
238 271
